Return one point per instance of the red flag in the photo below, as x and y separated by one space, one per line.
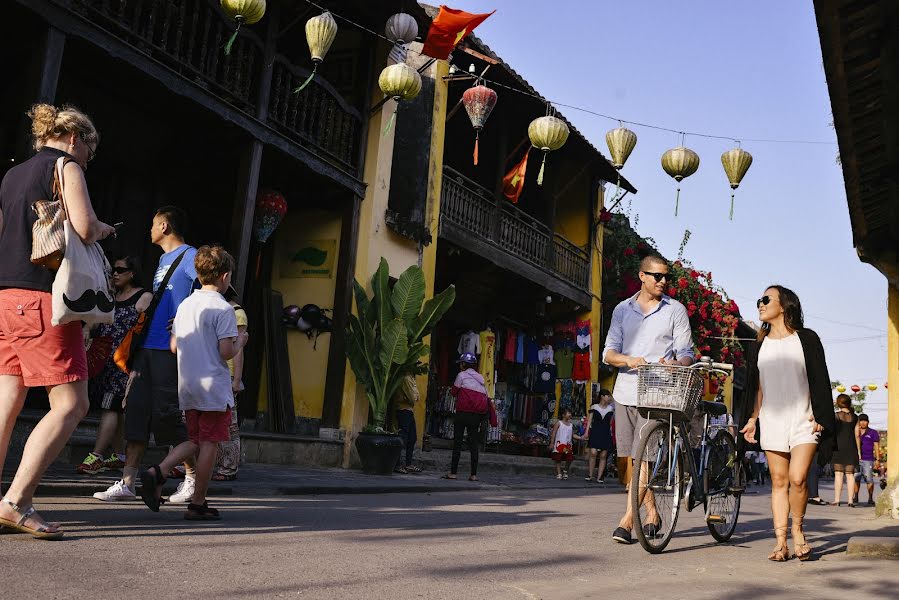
450 27
513 182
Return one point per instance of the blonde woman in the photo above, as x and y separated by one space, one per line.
34 353
792 416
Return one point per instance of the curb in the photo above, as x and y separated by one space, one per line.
881 547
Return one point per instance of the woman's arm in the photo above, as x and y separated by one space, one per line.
143 303
751 425
237 380
79 210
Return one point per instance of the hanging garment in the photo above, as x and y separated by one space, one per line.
566 395
564 359
519 348
470 343
583 335
545 355
580 371
579 404
511 345
545 382
488 354
532 351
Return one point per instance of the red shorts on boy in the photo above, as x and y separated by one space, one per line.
208 425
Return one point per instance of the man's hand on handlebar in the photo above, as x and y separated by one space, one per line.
635 361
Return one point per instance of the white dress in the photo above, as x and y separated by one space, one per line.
786 400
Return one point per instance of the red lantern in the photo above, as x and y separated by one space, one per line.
855 389
479 102
270 210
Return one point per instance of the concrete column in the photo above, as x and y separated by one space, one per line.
893 383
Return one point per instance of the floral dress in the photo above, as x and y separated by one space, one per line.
109 386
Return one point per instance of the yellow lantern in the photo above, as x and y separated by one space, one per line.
242 11
621 142
736 162
320 34
547 134
871 387
400 82
841 388
679 163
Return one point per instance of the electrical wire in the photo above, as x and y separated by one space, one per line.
736 139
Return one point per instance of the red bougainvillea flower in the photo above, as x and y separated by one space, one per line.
682 283
694 274
607 263
671 291
631 286
629 251
641 246
691 309
605 216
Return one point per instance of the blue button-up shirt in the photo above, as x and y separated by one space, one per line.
663 333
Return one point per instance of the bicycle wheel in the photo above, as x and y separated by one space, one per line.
722 484
656 488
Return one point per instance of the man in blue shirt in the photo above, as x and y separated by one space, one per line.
151 398
649 327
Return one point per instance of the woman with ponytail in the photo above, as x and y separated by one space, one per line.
33 352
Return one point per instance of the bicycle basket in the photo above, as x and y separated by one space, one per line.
669 387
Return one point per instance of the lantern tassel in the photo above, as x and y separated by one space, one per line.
230 43
476 137
617 187
389 123
731 206
677 201
540 174
308 80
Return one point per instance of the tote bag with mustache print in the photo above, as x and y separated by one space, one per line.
81 290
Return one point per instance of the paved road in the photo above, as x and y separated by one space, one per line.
493 544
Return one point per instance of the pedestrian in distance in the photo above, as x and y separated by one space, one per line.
33 351
204 337
599 435
814 473
647 327
560 444
868 441
846 453
471 412
792 415
405 399
227 460
761 468
151 396
108 388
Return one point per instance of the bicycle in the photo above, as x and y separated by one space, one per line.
668 396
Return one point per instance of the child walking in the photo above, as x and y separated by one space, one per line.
204 336
560 444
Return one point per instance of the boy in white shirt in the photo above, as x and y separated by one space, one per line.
204 336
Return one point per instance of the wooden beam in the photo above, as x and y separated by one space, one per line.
41 85
244 210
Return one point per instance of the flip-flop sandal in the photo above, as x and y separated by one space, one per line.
401 470
450 477
413 469
38 533
151 488
201 512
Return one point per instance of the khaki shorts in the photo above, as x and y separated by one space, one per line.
628 425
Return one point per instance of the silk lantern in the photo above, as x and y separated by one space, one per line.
320 34
680 163
736 162
871 387
270 210
400 82
479 102
401 29
855 389
841 388
242 11
547 134
621 142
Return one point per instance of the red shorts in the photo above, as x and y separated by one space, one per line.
559 457
31 347
208 425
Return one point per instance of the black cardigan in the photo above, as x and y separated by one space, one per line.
818 384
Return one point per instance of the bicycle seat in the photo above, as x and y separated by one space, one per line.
716 409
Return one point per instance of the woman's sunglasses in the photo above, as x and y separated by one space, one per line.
120 270
763 300
658 276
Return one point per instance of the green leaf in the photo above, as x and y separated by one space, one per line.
356 352
363 304
380 284
433 311
408 294
394 346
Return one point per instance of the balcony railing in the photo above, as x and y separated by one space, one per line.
188 36
474 208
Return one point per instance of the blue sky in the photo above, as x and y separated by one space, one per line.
748 70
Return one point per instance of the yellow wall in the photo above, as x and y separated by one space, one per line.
893 383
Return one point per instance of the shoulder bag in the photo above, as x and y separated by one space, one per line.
48 236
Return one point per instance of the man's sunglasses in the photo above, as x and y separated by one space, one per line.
763 300
120 270
658 276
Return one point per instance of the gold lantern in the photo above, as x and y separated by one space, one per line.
400 82
242 11
547 134
736 162
871 387
621 142
320 34
841 388
679 163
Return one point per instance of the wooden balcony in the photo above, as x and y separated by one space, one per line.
470 215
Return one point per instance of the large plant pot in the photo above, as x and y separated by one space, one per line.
379 452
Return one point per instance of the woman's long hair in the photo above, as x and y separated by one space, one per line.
793 317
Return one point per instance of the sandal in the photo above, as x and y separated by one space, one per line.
151 488
401 470
39 533
219 477
780 554
803 551
449 476
201 512
413 469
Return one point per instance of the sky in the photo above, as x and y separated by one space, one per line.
750 70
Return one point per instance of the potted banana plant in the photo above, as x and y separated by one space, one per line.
384 345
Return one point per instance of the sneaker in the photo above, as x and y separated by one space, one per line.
622 536
651 530
116 462
185 492
91 465
870 501
588 478
564 475
603 480
117 492
559 476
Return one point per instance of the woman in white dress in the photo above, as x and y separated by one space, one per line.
792 415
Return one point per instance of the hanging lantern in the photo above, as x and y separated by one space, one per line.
841 388
736 162
871 387
855 389
400 82
270 210
621 142
479 102
547 134
679 163
242 11
401 29
320 34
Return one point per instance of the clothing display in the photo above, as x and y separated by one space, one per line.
580 370
546 379
469 343
511 346
583 334
532 351
487 341
546 355
564 362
